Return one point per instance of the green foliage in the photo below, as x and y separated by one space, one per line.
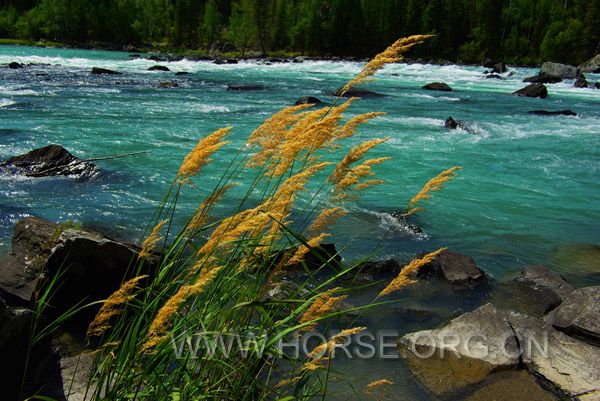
523 31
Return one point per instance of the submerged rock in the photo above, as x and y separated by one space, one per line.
597 85
14 65
553 113
438 86
101 71
168 84
512 385
533 90
559 70
543 79
181 73
158 68
579 314
457 269
353 92
542 278
307 100
51 160
245 88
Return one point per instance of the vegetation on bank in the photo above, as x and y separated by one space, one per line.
516 31
223 278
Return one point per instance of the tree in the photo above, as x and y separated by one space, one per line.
211 22
242 30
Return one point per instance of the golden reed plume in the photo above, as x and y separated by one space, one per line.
376 389
390 55
112 307
323 305
153 239
199 156
325 350
403 279
200 217
434 184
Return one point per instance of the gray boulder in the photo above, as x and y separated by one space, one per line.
592 65
457 269
533 90
51 160
559 70
579 314
541 278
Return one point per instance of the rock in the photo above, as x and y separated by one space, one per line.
75 373
533 90
368 272
553 113
458 269
559 70
353 92
493 76
181 73
579 314
543 79
158 68
592 65
581 82
324 254
517 385
542 278
438 86
499 68
307 100
14 65
51 160
567 364
168 84
462 353
245 88
451 123
597 85
100 71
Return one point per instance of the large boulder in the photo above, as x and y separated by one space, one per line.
543 79
51 160
540 277
592 65
438 86
579 314
513 385
533 90
559 70
457 269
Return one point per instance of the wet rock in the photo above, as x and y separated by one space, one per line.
512 386
104 71
540 277
307 100
75 373
499 68
533 90
245 88
14 65
462 353
371 271
559 70
181 73
493 76
553 113
353 92
51 160
438 86
158 68
581 82
597 85
579 314
452 123
168 84
457 269
543 79
592 65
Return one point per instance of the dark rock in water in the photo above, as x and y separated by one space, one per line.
51 160
168 84
181 73
540 277
14 65
405 223
486 72
451 123
512 385
579 314
323 256
533 90
543 79
158 68
459 270
438 86
559 70
101 71
245 88
553 113
597 85
499 68
92 265
307 100
581 82
493 76
353 92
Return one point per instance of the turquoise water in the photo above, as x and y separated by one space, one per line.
529 190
